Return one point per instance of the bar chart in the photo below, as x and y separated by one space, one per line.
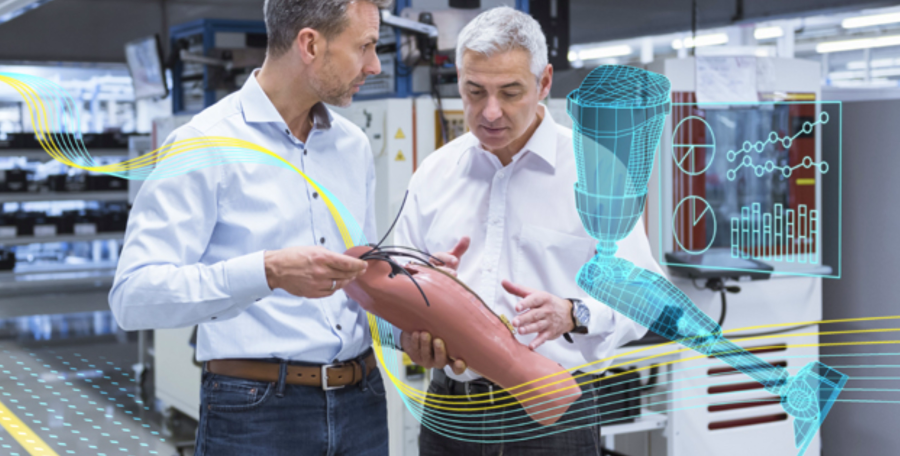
780 235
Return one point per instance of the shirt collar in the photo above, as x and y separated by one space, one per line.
542 142
258 108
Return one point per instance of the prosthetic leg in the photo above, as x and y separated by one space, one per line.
618 115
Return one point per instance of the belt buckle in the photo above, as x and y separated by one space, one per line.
325 368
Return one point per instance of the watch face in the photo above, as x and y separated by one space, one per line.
582 314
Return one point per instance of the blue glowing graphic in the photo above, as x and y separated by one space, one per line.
687 163
770 166
618 114
695 208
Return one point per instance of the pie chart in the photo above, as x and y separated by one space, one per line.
693 209
693 157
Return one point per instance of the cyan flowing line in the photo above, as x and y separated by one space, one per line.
72 149
65 101
435 415
466 436
433 423
56 119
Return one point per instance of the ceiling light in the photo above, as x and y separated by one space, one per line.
701 40
868 21
767 33
863 43
875 63
602 52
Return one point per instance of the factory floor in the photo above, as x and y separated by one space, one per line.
78 395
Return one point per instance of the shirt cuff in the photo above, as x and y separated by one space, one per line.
246 277
601 314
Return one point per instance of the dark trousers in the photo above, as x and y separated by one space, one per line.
247 418
505 431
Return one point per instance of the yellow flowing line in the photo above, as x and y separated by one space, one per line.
45 138
427 400
693 358
413 391
36 106
33 444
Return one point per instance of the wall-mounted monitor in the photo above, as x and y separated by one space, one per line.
145 62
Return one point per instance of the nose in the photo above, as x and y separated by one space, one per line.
492 110
373 65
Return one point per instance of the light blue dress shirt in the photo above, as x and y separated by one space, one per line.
194 246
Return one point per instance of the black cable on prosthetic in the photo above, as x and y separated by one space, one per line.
386 255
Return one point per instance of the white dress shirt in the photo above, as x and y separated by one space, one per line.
194 246
524 227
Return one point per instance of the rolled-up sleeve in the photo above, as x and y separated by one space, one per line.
160 282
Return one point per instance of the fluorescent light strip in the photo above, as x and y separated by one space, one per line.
604 52
863 43
701 40
767 33
876 63
868 21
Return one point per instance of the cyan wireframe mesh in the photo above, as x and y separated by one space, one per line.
618 115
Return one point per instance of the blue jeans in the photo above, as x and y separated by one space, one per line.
244 418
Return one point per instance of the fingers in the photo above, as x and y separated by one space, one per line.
539 340
529 317
533 301
440 354
540 325
342 263
425 349
406 342
445 259
459 367
517 290
461 247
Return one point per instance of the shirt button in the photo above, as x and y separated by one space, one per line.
315 194
214 318
304 151
286 131
321 240
501 174
338 327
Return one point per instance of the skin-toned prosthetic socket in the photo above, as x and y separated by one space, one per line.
424 298
618 114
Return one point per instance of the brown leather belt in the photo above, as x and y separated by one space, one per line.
327 376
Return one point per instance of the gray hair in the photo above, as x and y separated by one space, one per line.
502 29
285 19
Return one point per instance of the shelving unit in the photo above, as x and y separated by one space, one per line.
38 154
24 240
118 195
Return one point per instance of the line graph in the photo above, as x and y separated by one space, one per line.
786 141
770 166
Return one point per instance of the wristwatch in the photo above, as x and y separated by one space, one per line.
581 316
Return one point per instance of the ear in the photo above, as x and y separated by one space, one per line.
310 44
546 81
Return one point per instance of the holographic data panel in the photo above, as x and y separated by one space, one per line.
619 113
747 183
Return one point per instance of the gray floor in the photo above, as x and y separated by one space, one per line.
80 396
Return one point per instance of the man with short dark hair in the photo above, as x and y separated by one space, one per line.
252 254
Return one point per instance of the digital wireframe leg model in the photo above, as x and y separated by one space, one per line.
618 114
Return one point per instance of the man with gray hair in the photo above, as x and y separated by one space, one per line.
503 195
251 253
